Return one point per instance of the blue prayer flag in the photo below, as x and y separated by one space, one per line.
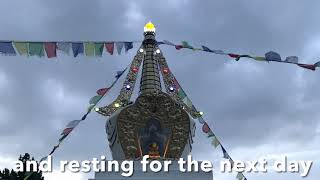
272 56
206 49
128 46
119 46
77 49
7 48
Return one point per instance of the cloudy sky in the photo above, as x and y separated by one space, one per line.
257 109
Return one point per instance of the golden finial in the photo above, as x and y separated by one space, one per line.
149 27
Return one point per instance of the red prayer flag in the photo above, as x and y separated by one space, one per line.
66 131
234 55
178 47
102 91
308 66
205 128
50 48
176 84
109 47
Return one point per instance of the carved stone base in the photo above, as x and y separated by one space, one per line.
159 107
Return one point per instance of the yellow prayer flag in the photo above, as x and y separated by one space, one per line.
22 47
89 48
215 142
259 58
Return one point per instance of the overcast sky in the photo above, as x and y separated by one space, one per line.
256 109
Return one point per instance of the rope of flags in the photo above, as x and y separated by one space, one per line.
127 88
92 103
270 56
96 49
49 49
174 89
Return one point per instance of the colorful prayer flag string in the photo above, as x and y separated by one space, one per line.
39 49
74 123
268 57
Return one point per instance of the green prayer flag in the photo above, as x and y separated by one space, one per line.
98 48
36 49
22 47
181 94
240 176
89 48
185 44
95 99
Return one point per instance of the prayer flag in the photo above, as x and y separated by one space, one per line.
98 49
178 47
240 176
95 99
225 154
7 48
36 49
110 47
73 124
64 46
292 59
50 48
215 142
77 49
119 46
181 94
201 120
259 58
89 48
176 84
89 110
205 128
22 47
185 44
119 73
308 66
187 102
219 52
210 133
102 91
128 46
234 55
66 131
273 56
206 49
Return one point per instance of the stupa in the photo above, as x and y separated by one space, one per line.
155 123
